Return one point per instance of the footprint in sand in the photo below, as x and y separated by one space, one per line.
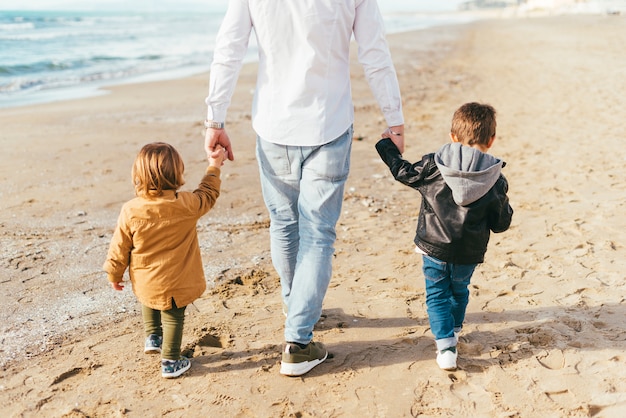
223 400
553 360
73 372
203 340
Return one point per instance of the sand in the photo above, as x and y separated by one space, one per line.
545 331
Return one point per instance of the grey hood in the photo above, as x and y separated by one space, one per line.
468 172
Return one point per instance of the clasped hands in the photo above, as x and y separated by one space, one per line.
216 141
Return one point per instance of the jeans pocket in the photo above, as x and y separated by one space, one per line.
331 161
273 158
434 270
463 273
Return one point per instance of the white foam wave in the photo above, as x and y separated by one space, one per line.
16 26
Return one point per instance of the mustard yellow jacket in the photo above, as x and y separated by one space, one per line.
156 239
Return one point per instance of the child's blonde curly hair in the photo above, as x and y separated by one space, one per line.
158 167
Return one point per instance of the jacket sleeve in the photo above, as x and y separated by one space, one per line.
208 190
118 256
500 218
410 174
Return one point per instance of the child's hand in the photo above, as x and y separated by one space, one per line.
117 285
217 157
396 134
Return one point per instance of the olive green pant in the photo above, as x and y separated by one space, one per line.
169 325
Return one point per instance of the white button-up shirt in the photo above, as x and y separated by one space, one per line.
303 95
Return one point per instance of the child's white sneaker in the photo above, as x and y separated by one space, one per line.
446 358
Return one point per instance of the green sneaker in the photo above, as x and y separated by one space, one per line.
174 368
153 344
297 361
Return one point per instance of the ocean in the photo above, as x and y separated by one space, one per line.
56 55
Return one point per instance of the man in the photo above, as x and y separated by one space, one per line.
302 113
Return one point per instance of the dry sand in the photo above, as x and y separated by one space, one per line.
545 332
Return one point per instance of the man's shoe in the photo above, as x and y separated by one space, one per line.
297 361
446 358
153 344
174 368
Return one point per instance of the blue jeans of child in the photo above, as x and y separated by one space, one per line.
447 295
303 190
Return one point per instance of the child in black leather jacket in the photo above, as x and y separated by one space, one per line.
464 199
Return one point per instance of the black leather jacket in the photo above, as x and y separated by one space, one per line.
446 230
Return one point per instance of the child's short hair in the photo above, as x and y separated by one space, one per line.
474 123
158 167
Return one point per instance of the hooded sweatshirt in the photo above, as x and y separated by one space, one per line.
467 171
463 199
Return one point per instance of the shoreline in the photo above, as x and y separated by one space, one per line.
544 333
95 89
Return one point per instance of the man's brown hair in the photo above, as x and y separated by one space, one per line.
474 123
158 167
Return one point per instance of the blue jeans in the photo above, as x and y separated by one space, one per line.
447 295
303 191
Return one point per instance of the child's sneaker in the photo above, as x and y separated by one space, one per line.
297 361
174 368
153 344
446 358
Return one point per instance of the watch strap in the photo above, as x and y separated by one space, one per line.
213 124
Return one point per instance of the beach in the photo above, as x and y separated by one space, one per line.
546 324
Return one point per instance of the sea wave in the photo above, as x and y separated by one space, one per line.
56 65
75 35
15 26
36 19
47 75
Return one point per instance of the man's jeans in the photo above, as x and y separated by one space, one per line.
303 191
447 295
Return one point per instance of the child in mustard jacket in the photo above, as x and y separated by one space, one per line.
156 240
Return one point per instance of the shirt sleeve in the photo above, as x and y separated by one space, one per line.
374 56
230 49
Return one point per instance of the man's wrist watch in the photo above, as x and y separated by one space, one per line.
213 125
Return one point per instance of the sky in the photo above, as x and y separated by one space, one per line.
196 5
